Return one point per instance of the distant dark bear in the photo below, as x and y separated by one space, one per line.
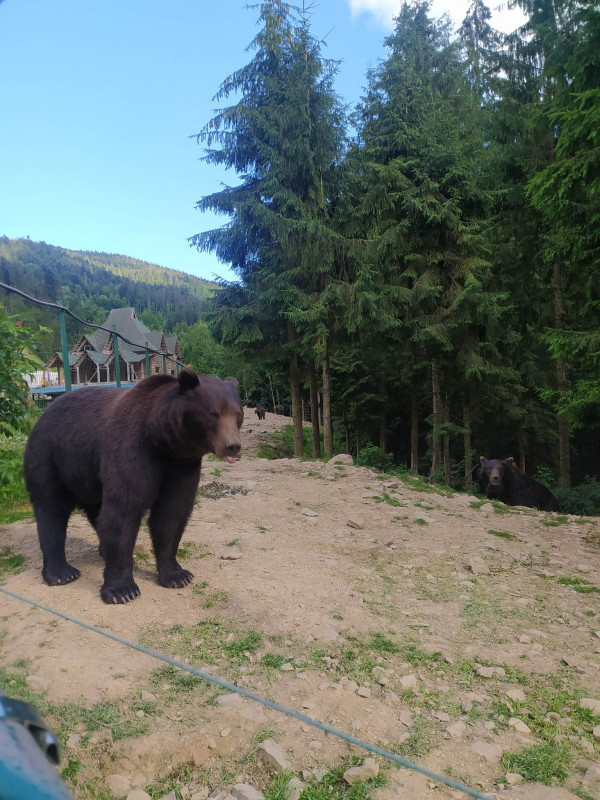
116 453
501 480
279 409
260 412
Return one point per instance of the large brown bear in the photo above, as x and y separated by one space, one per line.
116 453
501 480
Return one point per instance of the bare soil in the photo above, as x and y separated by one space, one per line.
292 603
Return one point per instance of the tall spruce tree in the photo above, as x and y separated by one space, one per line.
422 202
282 137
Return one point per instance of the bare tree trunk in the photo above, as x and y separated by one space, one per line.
522 450
436 439
272 395
468 444
296 395
383 416
314 409
327 429
414 433
561 381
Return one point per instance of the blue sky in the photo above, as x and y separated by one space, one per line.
99 99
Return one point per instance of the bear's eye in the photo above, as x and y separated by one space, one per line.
215 414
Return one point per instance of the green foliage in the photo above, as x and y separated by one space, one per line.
373 456
10 563
18 343
281 444
546 763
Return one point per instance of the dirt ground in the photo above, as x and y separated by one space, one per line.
370 604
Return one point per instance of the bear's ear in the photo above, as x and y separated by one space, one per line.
510 461
482 459
188 380
234 381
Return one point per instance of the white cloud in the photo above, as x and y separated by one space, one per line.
384 11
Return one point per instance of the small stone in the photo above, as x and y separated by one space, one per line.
516 695
363 691
315 744
369 769
513 778
273 756
442 716
350 686
148 697
356 522
225 733
492 753
491 672
478 566
489 725
593 705
73 741
308 512
119 785
456 730
524 639
405 717
519 725
596 733
342 458
140 713
409 682
552 716
467 706
294 789
592 775
243 791
287 667
231 553
228 700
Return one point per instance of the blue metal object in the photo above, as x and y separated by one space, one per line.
65 350
116 355
27 751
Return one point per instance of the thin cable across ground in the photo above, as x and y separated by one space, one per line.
401 762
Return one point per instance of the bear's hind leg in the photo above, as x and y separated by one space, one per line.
168 518
52 522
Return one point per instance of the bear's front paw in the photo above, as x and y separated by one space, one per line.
174 577
119 591
57 574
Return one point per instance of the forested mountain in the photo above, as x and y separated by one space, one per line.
90 284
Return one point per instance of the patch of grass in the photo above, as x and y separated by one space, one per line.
337 615
263 734
552 522
547 763
314 474
217 472
173 782
198 588
580 792
391 501
261 529
502 534
232 543
11 563
10 515
476 504
421 740
381 644
420 521
248 643
331 787
216 597
179 680
424 506
579 585
273 660
191 550
215 490
500 508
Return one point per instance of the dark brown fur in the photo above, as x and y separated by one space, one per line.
260 412
116 453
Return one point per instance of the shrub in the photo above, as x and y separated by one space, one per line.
374 457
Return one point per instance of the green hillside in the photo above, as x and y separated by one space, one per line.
90 284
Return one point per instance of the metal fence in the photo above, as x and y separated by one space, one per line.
118 353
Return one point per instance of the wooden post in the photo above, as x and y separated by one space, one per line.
147 359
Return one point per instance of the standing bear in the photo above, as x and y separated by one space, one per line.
116 453
501 480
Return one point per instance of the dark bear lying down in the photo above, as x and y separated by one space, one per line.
116 453
501 480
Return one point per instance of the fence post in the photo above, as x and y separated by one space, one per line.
147 359
177 366
65 350
164 355
116 352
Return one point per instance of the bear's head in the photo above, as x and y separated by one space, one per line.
495 473
210 416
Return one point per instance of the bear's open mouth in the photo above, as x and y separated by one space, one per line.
229 459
